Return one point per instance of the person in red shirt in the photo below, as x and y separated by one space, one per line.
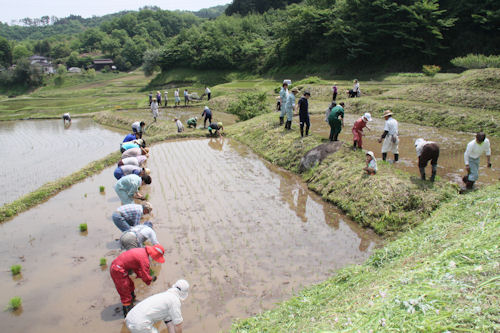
136 260
357 130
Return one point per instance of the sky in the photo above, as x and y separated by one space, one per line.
18 9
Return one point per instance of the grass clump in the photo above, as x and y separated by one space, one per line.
101 189
442 276
14 303
83 227
476 61
102 262
249 105
430 70
15 269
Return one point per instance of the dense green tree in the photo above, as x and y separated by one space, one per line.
42 47
5 53
60 50
19 52
245 7
91 39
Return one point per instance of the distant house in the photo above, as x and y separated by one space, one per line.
43 63
101 63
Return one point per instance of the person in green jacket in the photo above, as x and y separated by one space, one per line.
336 124
191 122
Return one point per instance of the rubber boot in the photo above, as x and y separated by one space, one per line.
281 121
288 125
384 156
434 170
133 296
307 130
396 157
422 173
126 309
469 185
301 131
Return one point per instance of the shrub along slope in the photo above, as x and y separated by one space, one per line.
389 202
442 276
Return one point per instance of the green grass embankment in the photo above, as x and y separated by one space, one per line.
388 202
443 276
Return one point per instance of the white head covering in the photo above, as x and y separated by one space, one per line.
418 141
180 288
371 154
206 107
368 116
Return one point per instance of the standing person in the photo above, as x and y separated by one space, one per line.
427 151
128 169
390 136
158 98
283 100
334 90
215 127
357 130
154 109
355 91
180 127
136 236
290 108
66 117
127 188
208 93
304 113
474 150
176 97
129 215
136 260
207 113
164 307
138 127
336 124
371 163
186 97
166 98
191 122
150 98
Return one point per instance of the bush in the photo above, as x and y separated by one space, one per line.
430 70
249 105
477 61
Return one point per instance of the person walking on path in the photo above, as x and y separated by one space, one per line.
390 136
191 122
125 170
186 97
207 113
474 150
336 121
180 127
304 113
138 127
130 215
165 306
177 98
208 93
127 188
154 109
371 163
215 127
136 260
136 236
357 130
150 98
427 151
334 91
166 98
290 108
158 98
283 100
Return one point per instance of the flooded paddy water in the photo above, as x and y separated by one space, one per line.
452 147
38 151
244 233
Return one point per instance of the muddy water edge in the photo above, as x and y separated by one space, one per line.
244 233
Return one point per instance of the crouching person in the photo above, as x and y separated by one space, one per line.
371 164
427 151
165 306
137 235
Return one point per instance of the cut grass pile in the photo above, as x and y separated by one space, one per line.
442 276
388 202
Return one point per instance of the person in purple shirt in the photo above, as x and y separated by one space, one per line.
124 170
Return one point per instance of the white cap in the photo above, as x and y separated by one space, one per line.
206 107
418 141
368 116
371 154
182 287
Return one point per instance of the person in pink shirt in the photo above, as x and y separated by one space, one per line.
357 130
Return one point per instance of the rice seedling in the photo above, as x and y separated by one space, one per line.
14 303
83 227
15 269
152 272
146 197
101 189
102 262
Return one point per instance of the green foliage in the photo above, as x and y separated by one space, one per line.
5 53
15 269
430 70
249 105
476 61
102 262
83 227
151 59
19 52
245 7
14 303
101 189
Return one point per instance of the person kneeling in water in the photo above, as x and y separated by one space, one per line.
215 127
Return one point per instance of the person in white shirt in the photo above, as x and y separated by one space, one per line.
474 150
208 93
166 98
283 101
390 136
427 151
164 306
154 109
180 127
177 98
137 235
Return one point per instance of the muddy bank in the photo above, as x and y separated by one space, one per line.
39 151
244 233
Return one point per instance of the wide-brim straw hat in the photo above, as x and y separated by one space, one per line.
295 90
387 113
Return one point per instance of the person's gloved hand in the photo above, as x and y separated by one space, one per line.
154 278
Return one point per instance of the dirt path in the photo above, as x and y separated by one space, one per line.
244 234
